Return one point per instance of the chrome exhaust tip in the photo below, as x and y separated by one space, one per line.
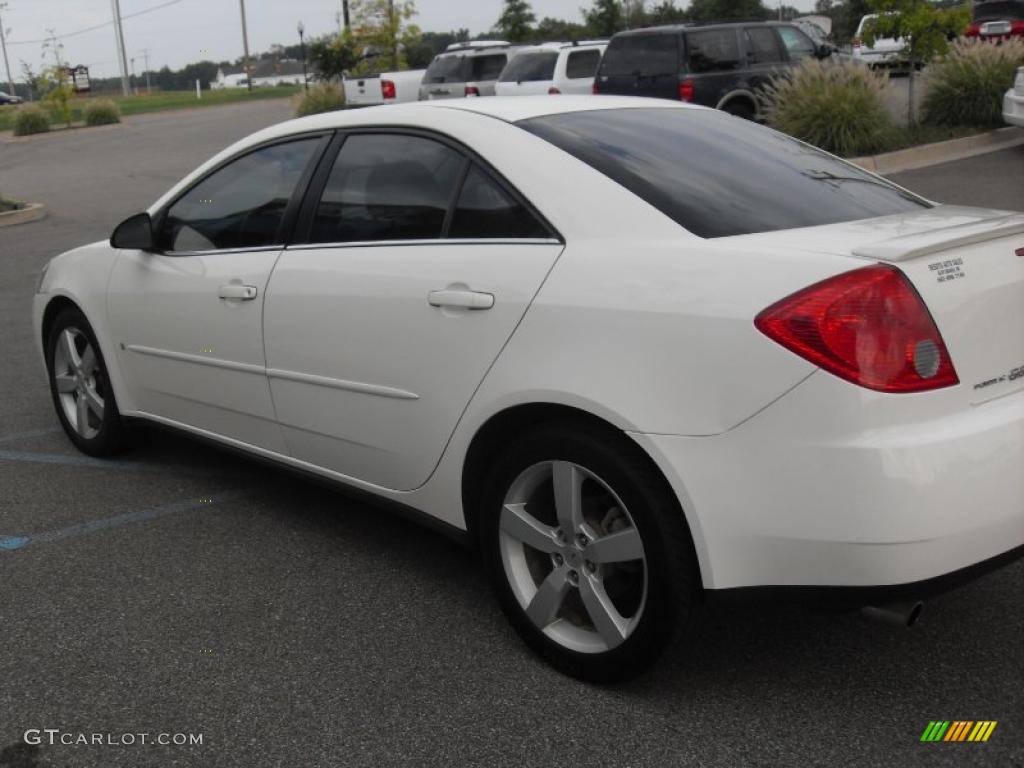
900 614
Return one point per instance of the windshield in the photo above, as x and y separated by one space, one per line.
718 176
641 55
530 67
999 10
445 69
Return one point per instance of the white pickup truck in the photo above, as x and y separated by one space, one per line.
382 88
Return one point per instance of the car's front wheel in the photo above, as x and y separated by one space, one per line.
588 551
80 386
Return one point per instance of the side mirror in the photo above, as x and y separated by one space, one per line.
135 232
824 50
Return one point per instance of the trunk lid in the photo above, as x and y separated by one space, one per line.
968 266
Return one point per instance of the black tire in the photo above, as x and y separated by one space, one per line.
111 435
672 581
739 108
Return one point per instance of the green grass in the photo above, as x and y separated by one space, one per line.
160 101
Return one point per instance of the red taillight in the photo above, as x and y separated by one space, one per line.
552 91
973 31
686 90
472 90
595 89
1017 28
868 326
388 89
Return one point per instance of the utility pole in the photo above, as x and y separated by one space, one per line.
119 38
131 80
3 44
344 12
302 44
145 56
394 33
245 47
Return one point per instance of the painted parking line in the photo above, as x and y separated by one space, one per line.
15 542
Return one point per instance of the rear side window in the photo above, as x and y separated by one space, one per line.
485 210
713 50
762 45
387 187
487 67
717 176
582 64
445 69
654 54
530 67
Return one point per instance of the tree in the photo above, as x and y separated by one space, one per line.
666 12
604 17
558 29
57 90
380 33
331 55
515 21
634 14
924 29
715 10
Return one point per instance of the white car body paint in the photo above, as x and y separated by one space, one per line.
786 474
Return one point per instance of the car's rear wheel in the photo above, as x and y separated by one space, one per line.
80 386
740 108
588 551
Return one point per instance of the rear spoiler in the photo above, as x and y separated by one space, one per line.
909 247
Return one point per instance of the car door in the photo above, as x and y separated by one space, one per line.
187 321
714 64
418 265
765 58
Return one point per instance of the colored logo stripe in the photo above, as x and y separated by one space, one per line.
958 730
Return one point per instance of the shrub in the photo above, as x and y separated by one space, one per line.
31 119
833 105
102 113
323 97
966 86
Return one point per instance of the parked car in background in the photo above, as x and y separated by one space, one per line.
716 65
1013 101
466 69
997 19
382 88
552 68
886 51
6 98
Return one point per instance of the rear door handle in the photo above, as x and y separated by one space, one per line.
461 297
237 291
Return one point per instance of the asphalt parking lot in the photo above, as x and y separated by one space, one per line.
182 589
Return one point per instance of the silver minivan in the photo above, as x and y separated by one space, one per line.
466 69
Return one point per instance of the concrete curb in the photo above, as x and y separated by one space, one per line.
31 212
942 151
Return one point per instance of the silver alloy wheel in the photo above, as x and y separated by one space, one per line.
79 382
573 556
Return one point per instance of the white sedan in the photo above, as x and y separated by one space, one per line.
639 352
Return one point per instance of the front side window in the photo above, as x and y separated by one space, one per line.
714 50
797 43
582 64
488 67
241 205
646 55
387 187
485 210
717 176
530 67
762 45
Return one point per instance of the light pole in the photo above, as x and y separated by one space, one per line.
3 44
302 45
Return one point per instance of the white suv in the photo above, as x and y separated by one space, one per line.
886 51
1013 101
552 68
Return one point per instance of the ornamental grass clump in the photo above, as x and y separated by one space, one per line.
833 105
29 120
102 112
966 86
323 97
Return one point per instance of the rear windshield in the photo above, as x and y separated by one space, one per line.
712 50
445 69
718 176
999 10
530 67
656 54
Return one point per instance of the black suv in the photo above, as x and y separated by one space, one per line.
718 65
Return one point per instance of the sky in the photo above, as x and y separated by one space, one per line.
183 31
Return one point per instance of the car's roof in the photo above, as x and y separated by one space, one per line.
507 108
696 26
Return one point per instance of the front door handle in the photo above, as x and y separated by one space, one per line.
460 297
237 291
